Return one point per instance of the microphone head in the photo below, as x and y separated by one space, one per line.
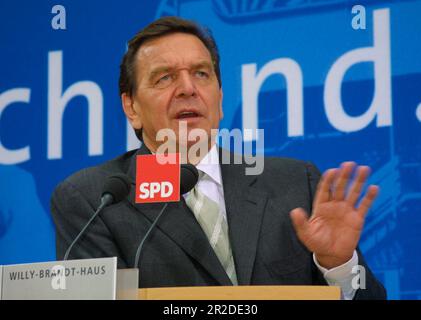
118 186
188 177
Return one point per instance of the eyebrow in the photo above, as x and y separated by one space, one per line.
159 70
202 64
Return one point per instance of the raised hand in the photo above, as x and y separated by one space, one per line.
334 228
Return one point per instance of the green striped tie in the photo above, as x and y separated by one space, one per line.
215 227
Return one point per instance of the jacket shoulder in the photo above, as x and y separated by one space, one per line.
89 181
289 167
287 176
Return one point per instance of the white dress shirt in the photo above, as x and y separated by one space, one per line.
211 185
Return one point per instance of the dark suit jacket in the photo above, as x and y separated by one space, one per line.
265 247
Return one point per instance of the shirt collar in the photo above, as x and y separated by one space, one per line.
210 165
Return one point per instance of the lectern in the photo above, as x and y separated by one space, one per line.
242 293
99 279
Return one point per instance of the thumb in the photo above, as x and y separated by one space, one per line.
299 219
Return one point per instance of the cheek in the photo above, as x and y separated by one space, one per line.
154 109
216 110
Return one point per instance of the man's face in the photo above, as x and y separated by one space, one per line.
176 82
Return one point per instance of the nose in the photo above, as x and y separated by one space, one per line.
185 86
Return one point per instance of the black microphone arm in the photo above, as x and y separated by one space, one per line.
188 179
139 248
115 189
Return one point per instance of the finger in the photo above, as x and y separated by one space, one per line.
357 185
323 191
300 222
367 201
342 180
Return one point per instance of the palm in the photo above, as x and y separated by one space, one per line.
335 226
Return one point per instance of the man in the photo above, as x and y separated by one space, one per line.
260 232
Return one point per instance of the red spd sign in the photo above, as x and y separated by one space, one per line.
157 182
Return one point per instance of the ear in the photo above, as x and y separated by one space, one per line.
221 113
131 111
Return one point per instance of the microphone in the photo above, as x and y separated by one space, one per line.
115 189
188 179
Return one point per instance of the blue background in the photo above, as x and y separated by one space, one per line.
313 33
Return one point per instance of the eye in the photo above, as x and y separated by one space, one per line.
202 74
165 78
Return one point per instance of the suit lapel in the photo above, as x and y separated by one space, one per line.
179 224
245 206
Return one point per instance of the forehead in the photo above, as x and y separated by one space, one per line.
173 50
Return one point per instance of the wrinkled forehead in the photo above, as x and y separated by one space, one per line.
178 50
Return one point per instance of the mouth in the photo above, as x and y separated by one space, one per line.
187 114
